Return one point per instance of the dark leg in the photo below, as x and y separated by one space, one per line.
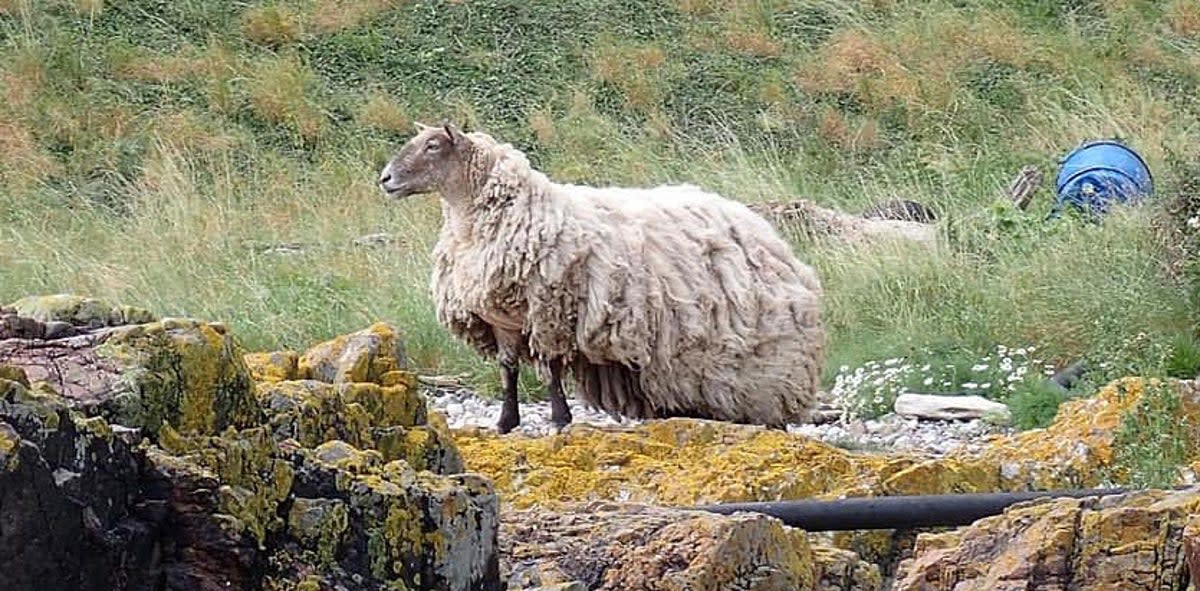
510 355
510 414
560 413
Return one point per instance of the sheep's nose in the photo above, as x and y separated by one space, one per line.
385 178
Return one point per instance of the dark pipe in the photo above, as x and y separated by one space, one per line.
898 512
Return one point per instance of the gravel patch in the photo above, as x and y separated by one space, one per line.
889 433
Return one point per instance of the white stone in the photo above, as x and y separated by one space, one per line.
932 406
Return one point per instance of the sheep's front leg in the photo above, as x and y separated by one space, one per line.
509 354
560 413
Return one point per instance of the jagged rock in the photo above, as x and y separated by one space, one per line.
363 356
379 522
67 508
185 372
631 547
157 466
390 419
1129 541
948 408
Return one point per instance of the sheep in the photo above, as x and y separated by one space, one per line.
666 301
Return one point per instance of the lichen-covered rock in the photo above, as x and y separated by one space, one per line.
363 356
141 457
68 516
370 525
276 366
1130 541
631 547
390 419
661 461
78 310
186 373
842 570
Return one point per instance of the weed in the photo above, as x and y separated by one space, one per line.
1154 439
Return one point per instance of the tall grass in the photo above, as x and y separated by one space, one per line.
158 161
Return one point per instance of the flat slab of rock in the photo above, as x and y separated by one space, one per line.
635 547
948 408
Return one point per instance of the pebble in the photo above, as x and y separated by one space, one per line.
889 433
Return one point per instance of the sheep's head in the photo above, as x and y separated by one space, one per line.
426 162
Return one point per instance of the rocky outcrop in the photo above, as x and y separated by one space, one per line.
146 456
632 547
1132 541
683 462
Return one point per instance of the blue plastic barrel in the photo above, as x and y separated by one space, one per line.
1099 173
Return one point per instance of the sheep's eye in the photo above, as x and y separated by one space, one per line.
433 146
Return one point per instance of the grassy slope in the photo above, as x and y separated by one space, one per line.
148 148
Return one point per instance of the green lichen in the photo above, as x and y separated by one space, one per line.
14 374
10 441
343 456
182 372
94 426
320 524
79 310
39 400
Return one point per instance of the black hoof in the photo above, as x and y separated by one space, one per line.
507 424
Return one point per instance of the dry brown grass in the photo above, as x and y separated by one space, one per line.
185 64
279 93
22 161
329 16
542 124
271 25
856 61
749 41
187 131
14 7
1183 17
698 7
634 70
381 112
89 8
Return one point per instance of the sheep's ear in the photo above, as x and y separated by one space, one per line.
452 132
421 127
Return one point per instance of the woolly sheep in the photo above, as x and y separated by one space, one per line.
667 301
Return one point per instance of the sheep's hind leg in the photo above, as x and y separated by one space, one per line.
510 413
560 413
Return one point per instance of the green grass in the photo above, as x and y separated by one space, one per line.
150 150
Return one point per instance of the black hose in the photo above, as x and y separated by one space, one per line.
895 512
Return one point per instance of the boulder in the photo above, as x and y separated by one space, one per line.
363 356
634 547
144 456
188 373
1132 541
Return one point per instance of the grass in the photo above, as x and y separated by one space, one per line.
155 159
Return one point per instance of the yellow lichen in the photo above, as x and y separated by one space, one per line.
13 373
363 356
685 461
276 366
9 441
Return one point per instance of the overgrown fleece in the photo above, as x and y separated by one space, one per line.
160 152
